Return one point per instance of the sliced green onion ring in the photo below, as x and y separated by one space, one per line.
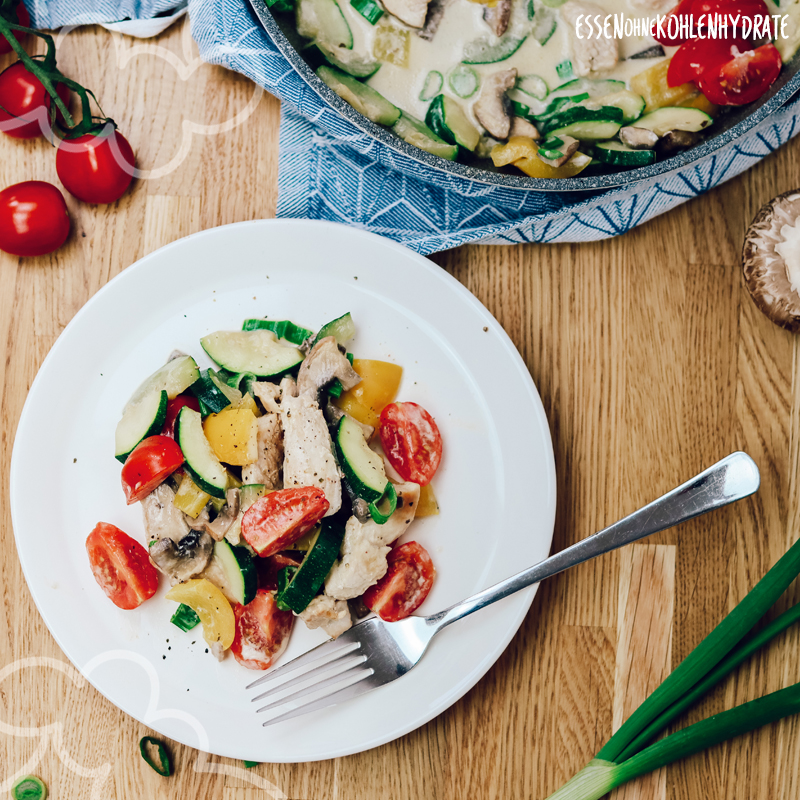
389 494
432 86
164 767
29 787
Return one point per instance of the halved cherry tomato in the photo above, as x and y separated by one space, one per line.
262 631
743 79
121 566
150 463
24 19
692 59
404 587
96 168
33 219
280 518
703 9
174 407
25 103
411 441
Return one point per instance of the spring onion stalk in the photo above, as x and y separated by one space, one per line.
708 654
722 670
599 776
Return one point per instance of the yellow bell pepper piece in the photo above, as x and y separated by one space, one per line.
517 147
380 381
190 498
651 84
248 402
536 168
428 506
213 608
699 101
233 435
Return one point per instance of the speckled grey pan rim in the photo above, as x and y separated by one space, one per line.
733 125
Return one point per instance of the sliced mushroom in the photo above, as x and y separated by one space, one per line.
183 560
162 520
199 522
638 138
673 141
771 260
521 127
433 19
497 16
567 149
219 527
412 12
492 107
324 362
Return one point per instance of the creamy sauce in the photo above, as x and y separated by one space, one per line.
461 24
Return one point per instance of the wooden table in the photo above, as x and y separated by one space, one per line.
652 363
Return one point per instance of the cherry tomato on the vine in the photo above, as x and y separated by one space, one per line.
96 168
24 19
33 219
25 112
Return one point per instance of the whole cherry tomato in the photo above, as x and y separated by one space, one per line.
262 631
279 519
743 79
150 463
24 19
33 219
411 441
25 111
96 168
174 407
121 566
404 587
692 59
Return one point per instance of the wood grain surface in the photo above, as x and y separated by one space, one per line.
652 363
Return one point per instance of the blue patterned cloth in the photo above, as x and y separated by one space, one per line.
329 169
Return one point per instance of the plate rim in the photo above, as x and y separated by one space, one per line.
437 272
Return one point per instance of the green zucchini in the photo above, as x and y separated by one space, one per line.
283 329
486 51
323 21
583 123
145 418
674 118
364 99
346 60
448 121
544 25
209 393
620 155
304 584
595 88
201 463
174 377
363 468
416 132
239 569
343 329
630 103
257 351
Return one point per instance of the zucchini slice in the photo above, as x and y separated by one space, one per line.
364 99
343 329
174 377
209 393
674 118
584 123
447 120
363 468
201 463
283 329
595 88
485 51
310 575
346 60
629 103
238 567
416 132
145 418
251 351
620 155
323 20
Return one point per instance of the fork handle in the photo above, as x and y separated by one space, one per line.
730 479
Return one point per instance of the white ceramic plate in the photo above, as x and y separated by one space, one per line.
496 485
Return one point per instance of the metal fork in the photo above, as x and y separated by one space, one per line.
374 652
